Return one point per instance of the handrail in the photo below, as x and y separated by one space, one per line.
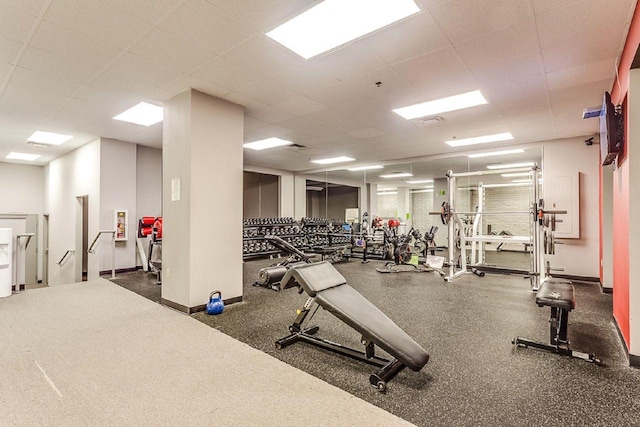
69 251
100 233
113 248
28 236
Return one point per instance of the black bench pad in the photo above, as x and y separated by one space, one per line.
559 294
322 281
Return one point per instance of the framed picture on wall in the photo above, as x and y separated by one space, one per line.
122 225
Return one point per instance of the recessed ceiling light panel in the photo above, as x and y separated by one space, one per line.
143 114
514 174
495 153
267 143
365 168
48 138
333 23
331 160
511 165
420 181
397 175
480 139
442 105
23 156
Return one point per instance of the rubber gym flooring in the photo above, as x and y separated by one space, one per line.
475 376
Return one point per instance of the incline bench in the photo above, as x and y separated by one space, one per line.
558 294
328 288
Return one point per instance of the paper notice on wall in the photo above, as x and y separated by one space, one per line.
175 190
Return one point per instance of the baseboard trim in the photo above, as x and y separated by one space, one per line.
195 309
118 270
634 360
606 290
578 278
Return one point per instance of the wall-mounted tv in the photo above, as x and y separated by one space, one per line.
611 131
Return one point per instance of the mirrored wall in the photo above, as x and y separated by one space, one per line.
412 192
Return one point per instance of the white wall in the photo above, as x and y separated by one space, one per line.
72 175
117 192
22 191
579 257
148 182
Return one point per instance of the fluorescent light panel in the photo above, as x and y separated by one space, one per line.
511 165
365 168
521 180
513 184
333 23
420 181
443 105
506 136
143 114
387 193
331 160
263 144
49 138
23 156
496 153
514 175
396 175
428 190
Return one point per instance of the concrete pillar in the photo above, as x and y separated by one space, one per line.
607 229
287 196
402 206
202 200
299 197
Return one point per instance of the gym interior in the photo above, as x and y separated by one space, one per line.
434 225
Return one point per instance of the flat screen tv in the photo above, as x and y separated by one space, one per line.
611 131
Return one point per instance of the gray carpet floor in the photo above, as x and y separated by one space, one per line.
95 354
475 375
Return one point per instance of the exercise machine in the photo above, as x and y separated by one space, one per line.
328 289
559 294
270 277
405 254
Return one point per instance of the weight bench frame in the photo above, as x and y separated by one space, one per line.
389 368
558 322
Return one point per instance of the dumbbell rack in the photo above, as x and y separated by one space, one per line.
315 231
254 230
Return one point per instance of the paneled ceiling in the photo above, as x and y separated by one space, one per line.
69 66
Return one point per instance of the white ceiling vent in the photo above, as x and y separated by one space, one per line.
425 122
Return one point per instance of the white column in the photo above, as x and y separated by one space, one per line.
633 169
202 200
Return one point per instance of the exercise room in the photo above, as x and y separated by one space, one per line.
400 212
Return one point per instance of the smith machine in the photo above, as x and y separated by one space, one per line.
463 237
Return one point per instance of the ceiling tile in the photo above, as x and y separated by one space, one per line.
263 16
336 94
590 93
170 51
149 11
542 7
64 68
5 69
262 54
459 18
304 78
431 66
393 87
16 25
365 133
270 115
30 7
45 84
201 23
268 93
185 83
67 44
9 50
582 21
582 74
299 105
97 21
228 75
411 37
513 41
575 53
249 104
144 71
349 61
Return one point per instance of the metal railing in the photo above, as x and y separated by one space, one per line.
91 249
69 251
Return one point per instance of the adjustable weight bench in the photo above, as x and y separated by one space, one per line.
558 294
328 289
